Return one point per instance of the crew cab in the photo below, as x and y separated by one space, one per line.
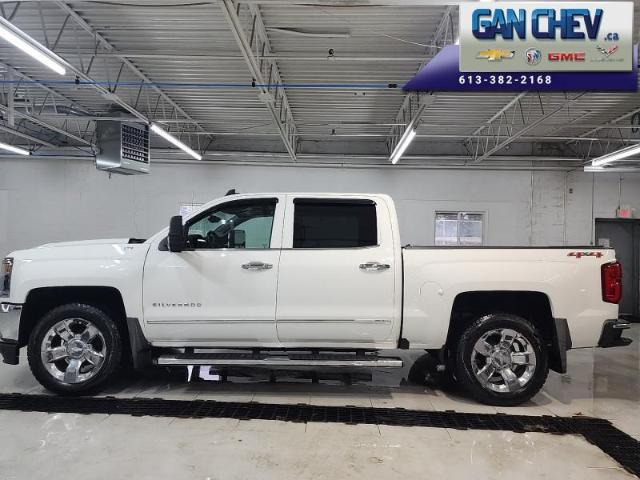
314 280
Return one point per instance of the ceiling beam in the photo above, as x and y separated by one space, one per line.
264 71
506 107
26 136
290 57
9 109
614 123
500 130
135 70
79 74
413 104
48 126
30 80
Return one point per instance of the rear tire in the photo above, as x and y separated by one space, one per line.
501 360
74 349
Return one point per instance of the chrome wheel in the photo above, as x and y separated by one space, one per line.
503 360
73 350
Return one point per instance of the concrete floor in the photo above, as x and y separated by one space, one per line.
601 382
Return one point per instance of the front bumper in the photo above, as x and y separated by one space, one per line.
611 335
9 329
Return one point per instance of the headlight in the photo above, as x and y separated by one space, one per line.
5 276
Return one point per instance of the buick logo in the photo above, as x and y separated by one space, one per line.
533 56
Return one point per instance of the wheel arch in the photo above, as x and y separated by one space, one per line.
41 300
533 306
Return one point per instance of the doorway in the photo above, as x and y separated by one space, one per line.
623 235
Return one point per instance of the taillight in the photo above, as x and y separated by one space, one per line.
6 266
612 282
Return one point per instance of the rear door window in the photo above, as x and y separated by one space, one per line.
320 223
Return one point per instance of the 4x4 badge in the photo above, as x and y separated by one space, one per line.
585 254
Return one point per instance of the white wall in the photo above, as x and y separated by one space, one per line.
53 200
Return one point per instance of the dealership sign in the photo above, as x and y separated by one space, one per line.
537 46
442 74
546 37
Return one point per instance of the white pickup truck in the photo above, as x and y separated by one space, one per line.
304 280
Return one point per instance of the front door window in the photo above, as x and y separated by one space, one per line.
239 224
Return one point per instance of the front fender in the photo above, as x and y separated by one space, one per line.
116 266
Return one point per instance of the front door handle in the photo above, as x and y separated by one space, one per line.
257 266
374 266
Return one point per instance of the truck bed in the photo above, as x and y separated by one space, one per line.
569 277
504 247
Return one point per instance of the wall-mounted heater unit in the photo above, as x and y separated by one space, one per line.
123 147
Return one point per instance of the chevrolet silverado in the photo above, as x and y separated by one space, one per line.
304 280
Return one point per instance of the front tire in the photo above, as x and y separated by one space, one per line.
74 349
501 360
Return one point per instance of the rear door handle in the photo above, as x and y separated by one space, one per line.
374 266
257 266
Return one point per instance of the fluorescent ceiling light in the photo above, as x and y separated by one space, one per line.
592 169
171 139
615 156
28 45
403 144
311 33
11 148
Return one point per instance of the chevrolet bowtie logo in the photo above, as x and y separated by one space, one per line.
496 54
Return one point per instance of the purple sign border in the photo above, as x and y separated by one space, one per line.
442 73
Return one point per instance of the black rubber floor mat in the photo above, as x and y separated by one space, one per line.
615 443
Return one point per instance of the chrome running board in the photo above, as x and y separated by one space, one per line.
338 360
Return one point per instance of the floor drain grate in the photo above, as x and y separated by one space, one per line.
612 441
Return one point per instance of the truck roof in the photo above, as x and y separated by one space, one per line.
311 194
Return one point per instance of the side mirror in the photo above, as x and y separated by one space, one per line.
176 238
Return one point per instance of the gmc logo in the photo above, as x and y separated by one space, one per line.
566 56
